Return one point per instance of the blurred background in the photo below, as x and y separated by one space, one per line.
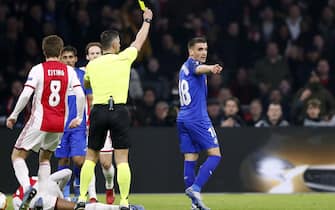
278 58
273 51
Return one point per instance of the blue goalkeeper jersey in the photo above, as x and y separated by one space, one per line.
72 103
192 93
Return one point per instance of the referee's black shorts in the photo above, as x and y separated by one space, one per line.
102 119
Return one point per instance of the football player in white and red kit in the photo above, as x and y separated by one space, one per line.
54 199
50 82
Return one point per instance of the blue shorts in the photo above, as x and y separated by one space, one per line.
196 136
73 143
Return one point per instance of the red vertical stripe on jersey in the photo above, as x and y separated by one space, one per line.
53 97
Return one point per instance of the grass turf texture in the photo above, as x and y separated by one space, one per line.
312 201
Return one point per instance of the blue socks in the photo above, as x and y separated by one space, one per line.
66 190
189 172
205 171
76 181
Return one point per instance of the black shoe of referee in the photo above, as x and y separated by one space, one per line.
28 196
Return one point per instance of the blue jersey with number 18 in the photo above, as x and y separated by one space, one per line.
192 93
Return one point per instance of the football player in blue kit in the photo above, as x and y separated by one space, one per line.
195 129
73 143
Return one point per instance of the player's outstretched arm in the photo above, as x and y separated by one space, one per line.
142 34
21 103
205 69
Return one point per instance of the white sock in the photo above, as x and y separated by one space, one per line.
61 177
100 206
109 176
22 173
91 188
43 176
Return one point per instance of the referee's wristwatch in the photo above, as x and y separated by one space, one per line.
148 20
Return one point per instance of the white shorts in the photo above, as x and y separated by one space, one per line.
33 139
108 148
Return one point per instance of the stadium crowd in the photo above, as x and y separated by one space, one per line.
278 55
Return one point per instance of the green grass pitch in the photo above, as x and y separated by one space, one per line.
312 201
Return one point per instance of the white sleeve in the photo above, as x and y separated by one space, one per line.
73 79
80 101
78 91
22 102
33 77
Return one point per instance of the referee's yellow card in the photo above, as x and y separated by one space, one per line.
142 5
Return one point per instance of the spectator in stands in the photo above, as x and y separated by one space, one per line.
314 89
151 77
271 70
326 25
294 57
323 71
231 116
294 20
312 55
282 37
214 111
255 113
274 117
224 94
145 109
268 24
276 96
169 56
303 31
230 48
313 116
161 117
215 83
242 88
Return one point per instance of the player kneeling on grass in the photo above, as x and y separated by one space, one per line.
54 198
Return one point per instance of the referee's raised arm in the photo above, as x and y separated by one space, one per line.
142 34
109 76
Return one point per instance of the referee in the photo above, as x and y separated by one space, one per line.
108 76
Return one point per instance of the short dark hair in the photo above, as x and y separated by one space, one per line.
107 37
237 102
52 46
274 103
196 40
69 48
315 103
91 44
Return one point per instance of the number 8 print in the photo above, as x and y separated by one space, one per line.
54 97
